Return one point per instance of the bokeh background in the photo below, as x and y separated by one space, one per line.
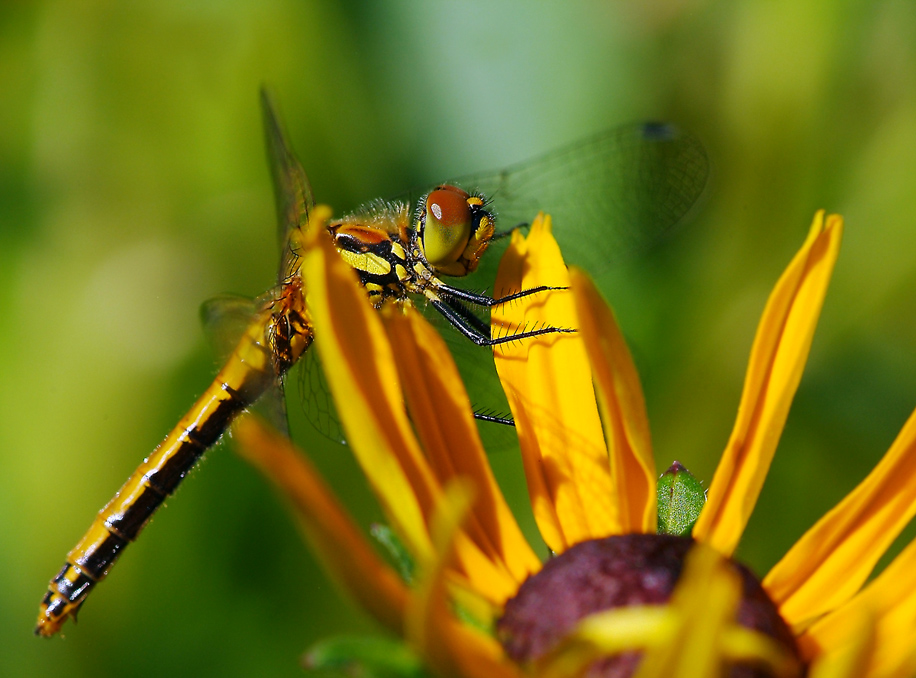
133 185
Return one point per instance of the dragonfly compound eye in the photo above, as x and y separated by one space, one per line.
448 225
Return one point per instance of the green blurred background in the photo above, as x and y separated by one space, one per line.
133 185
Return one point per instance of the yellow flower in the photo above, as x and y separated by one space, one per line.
584 438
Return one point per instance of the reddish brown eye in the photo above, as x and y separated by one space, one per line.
449 206
448 225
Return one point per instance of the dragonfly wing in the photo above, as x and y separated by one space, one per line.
610 195
292 190
317 402
225 319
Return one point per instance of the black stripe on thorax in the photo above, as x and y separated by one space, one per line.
382 249
392 285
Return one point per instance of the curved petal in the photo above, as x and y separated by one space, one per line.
360 369
777 360
441 413
346 555
705 635
852 660
623 407
451 648
548 383
891 600
829 564
694 634
604 634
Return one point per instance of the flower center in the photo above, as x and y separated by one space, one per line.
621 571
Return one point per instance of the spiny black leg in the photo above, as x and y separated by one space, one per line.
494 419
462 324
530 333
525 293
471 318
506 234
489 302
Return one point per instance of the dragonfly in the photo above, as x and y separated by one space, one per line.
640 178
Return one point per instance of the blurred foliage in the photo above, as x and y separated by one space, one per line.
133 186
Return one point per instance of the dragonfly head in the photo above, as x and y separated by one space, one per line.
454 229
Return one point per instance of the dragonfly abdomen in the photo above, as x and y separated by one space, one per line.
252 368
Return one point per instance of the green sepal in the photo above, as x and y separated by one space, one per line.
395 549
364 657
680 499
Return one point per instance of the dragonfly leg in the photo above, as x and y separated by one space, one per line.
473 329
489 302
468 316
494 418
504 234
524 293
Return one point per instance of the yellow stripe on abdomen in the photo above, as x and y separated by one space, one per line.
246 375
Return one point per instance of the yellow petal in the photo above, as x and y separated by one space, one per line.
605 634
777 360
695 634
829 564
450 647
706 636
693 646
623 408
548 384
334 539
852 660
359 365
891 600
361 370
442 415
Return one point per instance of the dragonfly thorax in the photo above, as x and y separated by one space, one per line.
453 229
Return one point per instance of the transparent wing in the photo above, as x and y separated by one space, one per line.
292 191
317 402
225 319
610 195
294 199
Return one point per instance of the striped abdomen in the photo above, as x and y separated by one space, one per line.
272 343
